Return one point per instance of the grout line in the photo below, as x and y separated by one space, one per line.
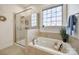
20 45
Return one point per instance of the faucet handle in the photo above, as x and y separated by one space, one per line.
60 47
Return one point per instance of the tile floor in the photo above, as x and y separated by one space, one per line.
13 50
17 50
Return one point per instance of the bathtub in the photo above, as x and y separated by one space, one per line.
51 46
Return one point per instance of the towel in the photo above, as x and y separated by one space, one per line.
72 24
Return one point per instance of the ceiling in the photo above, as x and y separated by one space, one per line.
27 5
24 5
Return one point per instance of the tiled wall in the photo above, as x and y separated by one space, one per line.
75 43
50 35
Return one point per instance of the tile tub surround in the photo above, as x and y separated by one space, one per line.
73 41
49 35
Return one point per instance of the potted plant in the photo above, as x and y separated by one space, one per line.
64 35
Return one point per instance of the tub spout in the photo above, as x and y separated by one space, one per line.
34 41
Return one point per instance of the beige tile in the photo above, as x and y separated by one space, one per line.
50 35
17 50
13 50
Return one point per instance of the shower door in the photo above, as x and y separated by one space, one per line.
20 29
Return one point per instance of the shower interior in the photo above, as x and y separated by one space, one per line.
22 25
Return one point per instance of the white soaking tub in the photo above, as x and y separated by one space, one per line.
52 46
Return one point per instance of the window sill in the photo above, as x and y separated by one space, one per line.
52 26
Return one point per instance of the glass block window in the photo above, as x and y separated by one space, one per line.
52 16
34 20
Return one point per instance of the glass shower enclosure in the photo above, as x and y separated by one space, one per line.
22 24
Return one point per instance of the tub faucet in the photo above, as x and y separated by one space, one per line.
60 47
34 41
